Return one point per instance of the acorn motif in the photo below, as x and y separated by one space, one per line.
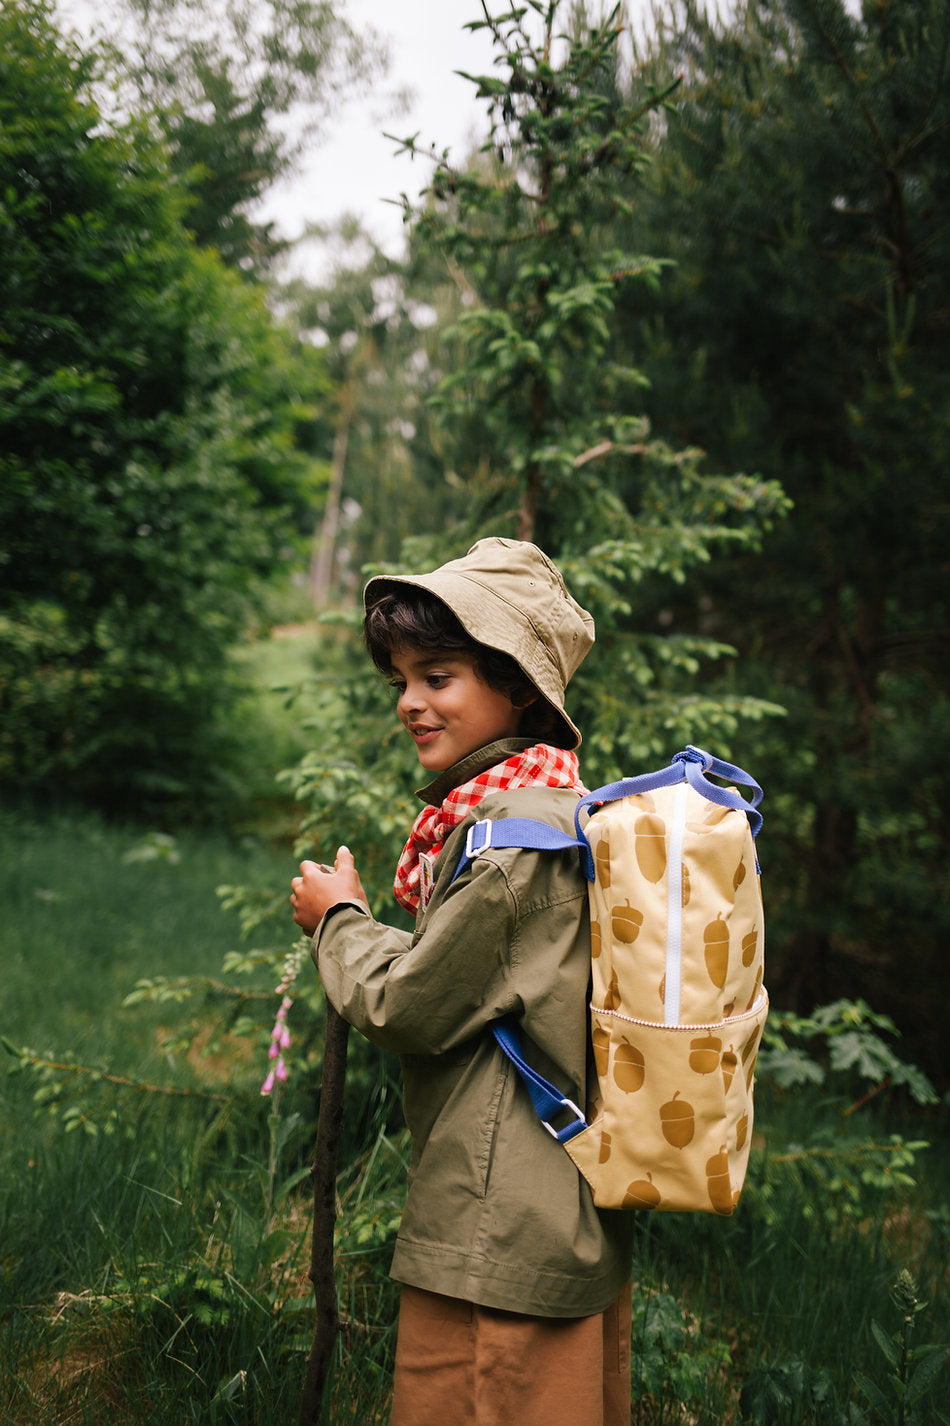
628 1067
739 876
625 922
742 1129
602 860
596 939
704 1054
678 1121
728 1009
729 1064
755 989
716 938
600 1040
650 845
685 884
749 1047
612 998
604 1148
718 1183
715 815
749 943
642 1193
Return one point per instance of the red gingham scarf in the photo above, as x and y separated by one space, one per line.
538 766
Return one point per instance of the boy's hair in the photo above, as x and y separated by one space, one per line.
416 619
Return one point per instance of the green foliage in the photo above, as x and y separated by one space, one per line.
845 1039
792 1391
150 417
675 1359
220 83
799 185
536 397
913 1370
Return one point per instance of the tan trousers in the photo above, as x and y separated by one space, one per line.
458 1364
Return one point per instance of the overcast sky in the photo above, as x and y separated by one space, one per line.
355 169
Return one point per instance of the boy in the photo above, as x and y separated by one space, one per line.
516 1301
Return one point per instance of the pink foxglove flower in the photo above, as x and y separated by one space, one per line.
280 1035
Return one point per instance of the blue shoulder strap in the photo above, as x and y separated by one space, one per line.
547 1100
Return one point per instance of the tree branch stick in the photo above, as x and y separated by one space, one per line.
324 1174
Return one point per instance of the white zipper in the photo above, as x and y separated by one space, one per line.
674 915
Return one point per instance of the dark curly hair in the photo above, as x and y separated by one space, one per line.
416 619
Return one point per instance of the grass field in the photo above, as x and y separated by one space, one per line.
154 1208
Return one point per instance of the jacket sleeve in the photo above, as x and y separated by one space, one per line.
429 992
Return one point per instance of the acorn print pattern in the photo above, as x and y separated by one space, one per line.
642 1194
670 1111
673 1125
678 1120
650 845
600 1038
716 951
718 1182
625 922
628 1067
602 860
704 1052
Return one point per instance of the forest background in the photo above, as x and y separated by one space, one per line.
684 322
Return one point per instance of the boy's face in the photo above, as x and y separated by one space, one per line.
447 709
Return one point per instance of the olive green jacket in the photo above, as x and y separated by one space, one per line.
496 1213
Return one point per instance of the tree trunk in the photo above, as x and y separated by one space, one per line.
324 544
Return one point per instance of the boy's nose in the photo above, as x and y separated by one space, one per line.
411 700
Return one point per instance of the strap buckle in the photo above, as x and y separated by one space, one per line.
478 839
571 1129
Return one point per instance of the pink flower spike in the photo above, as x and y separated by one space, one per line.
286 1003
273 1053
285 1040
277 1031
281 1071
268 1084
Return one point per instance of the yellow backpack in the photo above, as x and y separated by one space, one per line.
678 1002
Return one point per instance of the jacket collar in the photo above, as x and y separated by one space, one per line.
436 792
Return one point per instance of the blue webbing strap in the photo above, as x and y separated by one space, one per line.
547 1100
690 766
523 832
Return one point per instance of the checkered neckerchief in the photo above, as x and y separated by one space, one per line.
539 766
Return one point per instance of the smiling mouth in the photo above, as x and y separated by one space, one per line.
422 735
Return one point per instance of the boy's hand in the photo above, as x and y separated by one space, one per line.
319 887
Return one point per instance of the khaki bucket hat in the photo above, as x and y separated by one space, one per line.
508 595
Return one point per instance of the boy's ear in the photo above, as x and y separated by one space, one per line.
526 702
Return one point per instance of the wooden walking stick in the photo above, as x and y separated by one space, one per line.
324 1173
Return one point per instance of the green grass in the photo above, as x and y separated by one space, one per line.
153 1246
